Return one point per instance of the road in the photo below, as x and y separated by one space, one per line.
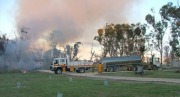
118 78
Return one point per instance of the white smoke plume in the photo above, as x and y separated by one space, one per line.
71 19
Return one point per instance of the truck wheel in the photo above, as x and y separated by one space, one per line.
81 70
109 69
58 71
55 72
116 69
77 71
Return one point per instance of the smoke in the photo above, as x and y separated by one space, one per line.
71 19
15 58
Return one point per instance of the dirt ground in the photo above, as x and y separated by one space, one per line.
138 79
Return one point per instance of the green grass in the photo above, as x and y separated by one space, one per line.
48 85
147 73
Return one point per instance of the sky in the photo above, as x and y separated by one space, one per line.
71 20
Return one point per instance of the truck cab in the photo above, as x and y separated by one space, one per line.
58 64
153 63
59 61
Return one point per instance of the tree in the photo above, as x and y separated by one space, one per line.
68 51
53 41
159 29
50 54
166 53
76 50
24 35
47 58
171 13
38 55
121 39
100 38
92 53
3 43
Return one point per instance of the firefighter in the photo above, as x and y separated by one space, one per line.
100 68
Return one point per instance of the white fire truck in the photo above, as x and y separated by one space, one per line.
64 64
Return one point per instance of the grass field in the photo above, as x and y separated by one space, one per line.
37 84
147 73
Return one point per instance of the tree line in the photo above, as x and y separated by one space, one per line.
122 39
134 39
14 55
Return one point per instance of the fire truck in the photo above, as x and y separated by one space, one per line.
64 64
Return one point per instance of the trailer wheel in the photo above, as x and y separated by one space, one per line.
109 69
77 71
116 69
58 71
81 70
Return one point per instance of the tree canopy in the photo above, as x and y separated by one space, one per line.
171 13
122 39
132 39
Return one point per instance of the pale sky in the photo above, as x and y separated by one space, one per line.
74 20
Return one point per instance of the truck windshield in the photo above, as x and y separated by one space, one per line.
56 61
157 59
62 60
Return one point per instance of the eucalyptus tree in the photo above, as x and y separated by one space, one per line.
111 38
171 13
53 39
166 53
121 39
76 51
140 38
24 35
158 29
109 34
3 43
68 51
104 40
